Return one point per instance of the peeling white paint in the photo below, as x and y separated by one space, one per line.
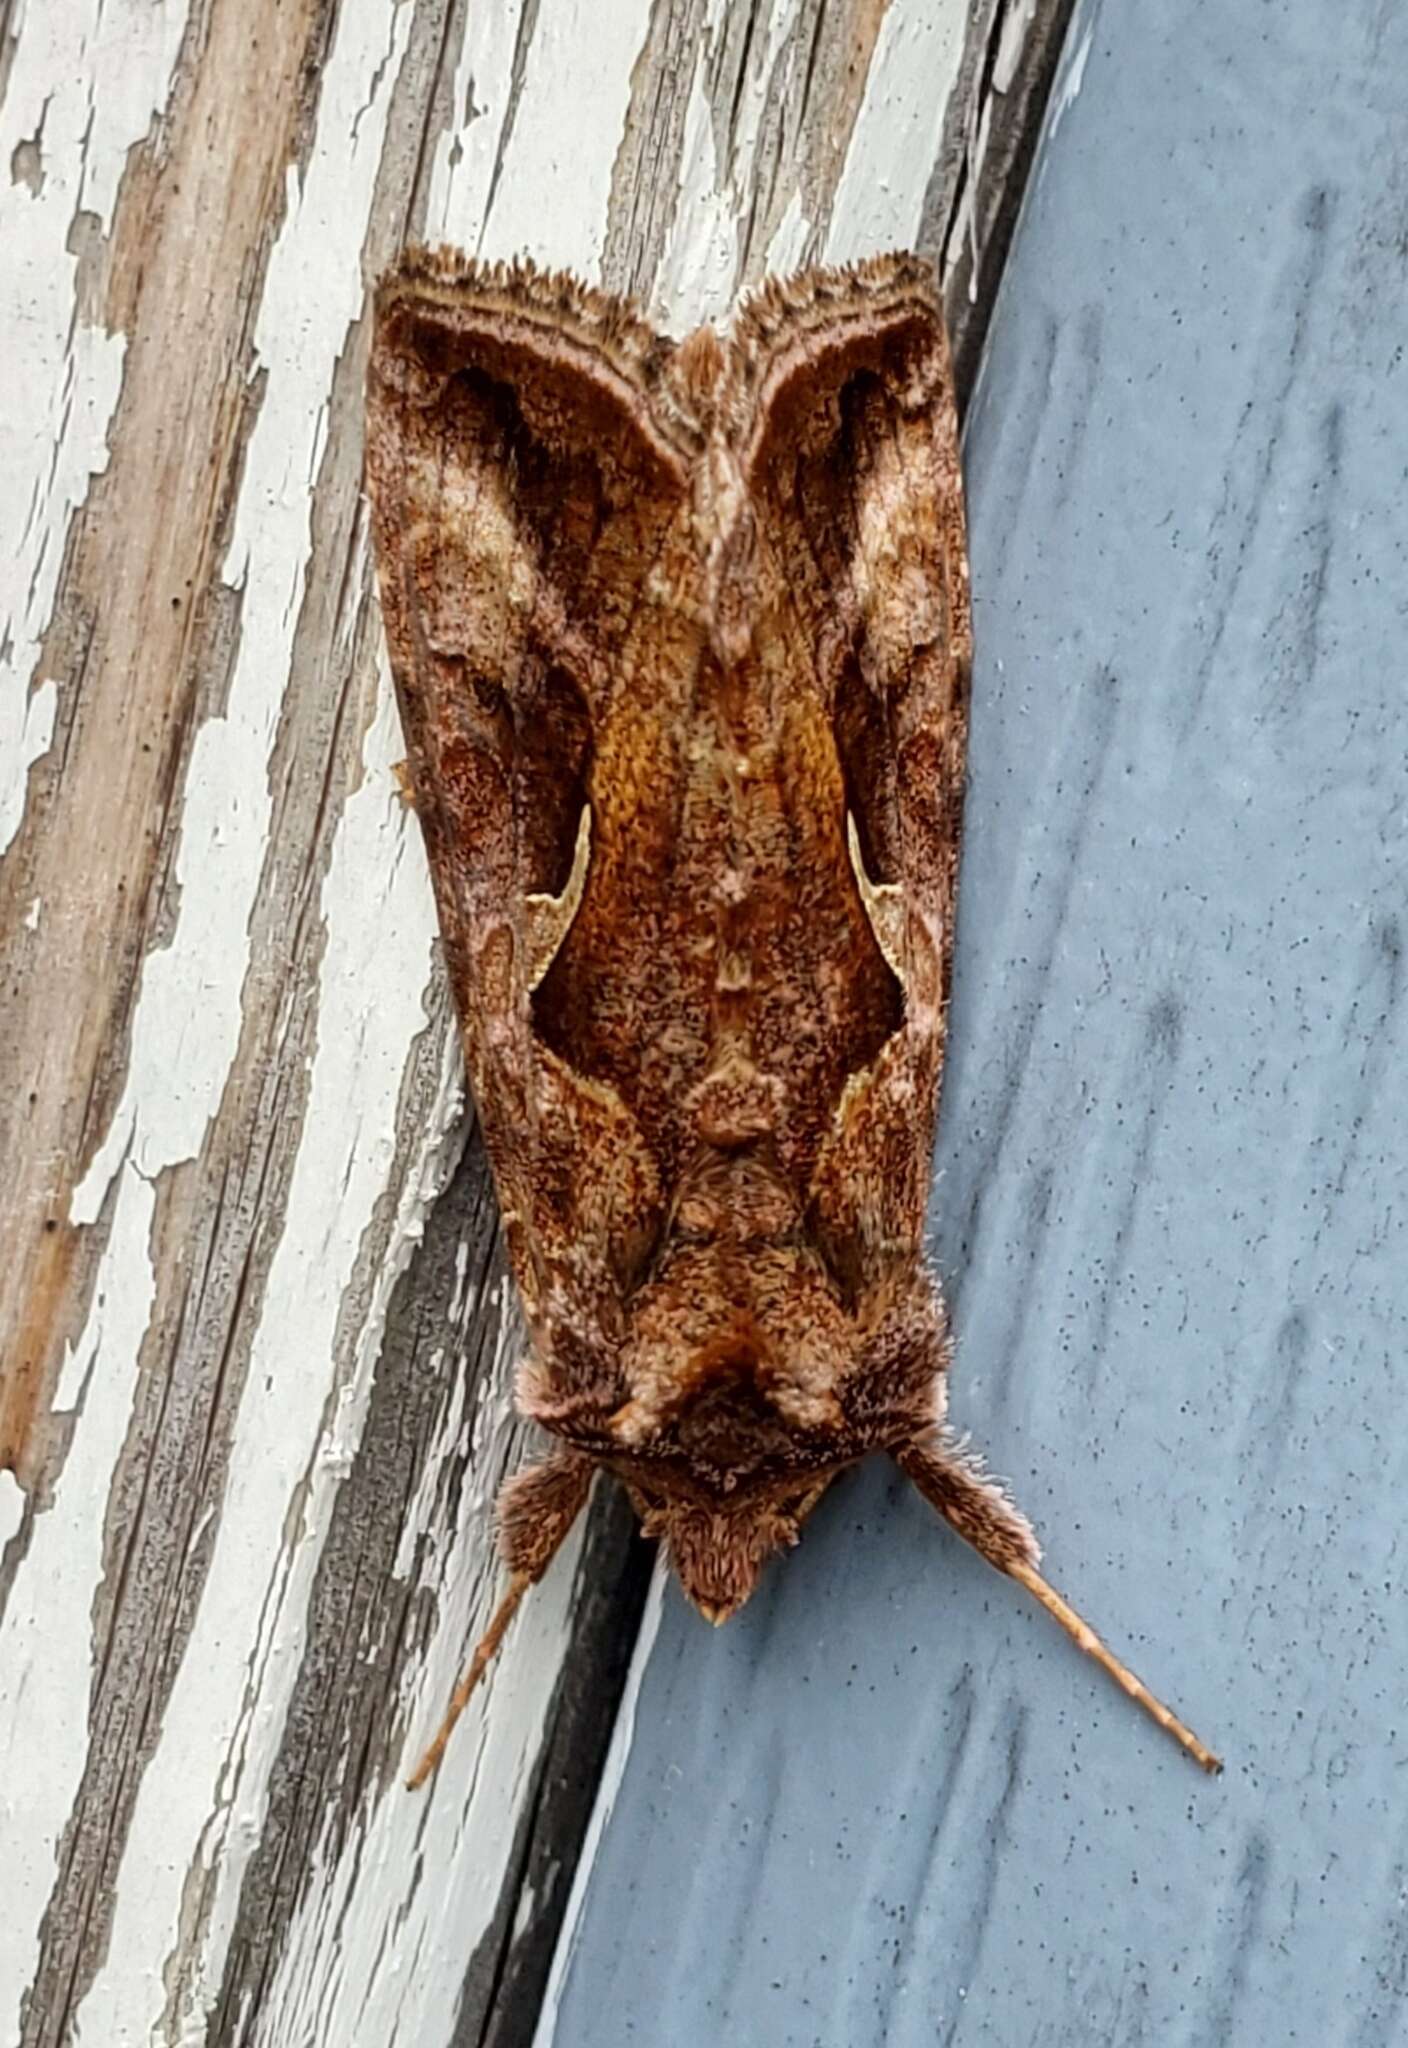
788 245
50 447
340 1977
699 269
180 1054
11 1517
880 198
202 1800
34 715
420 1515
964 226
1016 27
44 1691
31 916
70 373
182 1051
700 260
549 200
384 1964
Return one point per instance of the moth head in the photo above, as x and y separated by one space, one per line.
718 1553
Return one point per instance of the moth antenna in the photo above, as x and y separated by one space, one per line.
536 1508
954 1481
478 1664
1081 1632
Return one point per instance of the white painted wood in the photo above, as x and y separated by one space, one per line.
64 147
232 1092
62 379
880 199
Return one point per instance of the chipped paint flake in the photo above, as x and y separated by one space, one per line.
964 227
337 1979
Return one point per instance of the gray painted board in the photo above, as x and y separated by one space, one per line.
890 1803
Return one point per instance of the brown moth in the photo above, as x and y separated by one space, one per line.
681 638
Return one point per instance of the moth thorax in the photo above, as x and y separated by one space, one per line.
733 1347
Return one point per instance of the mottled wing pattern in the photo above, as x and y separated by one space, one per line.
853 460
530 509
681 639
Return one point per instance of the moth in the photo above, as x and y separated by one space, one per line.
680 634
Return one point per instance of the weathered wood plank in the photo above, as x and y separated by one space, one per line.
889 1804
255 1340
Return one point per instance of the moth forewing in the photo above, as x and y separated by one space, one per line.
681 639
